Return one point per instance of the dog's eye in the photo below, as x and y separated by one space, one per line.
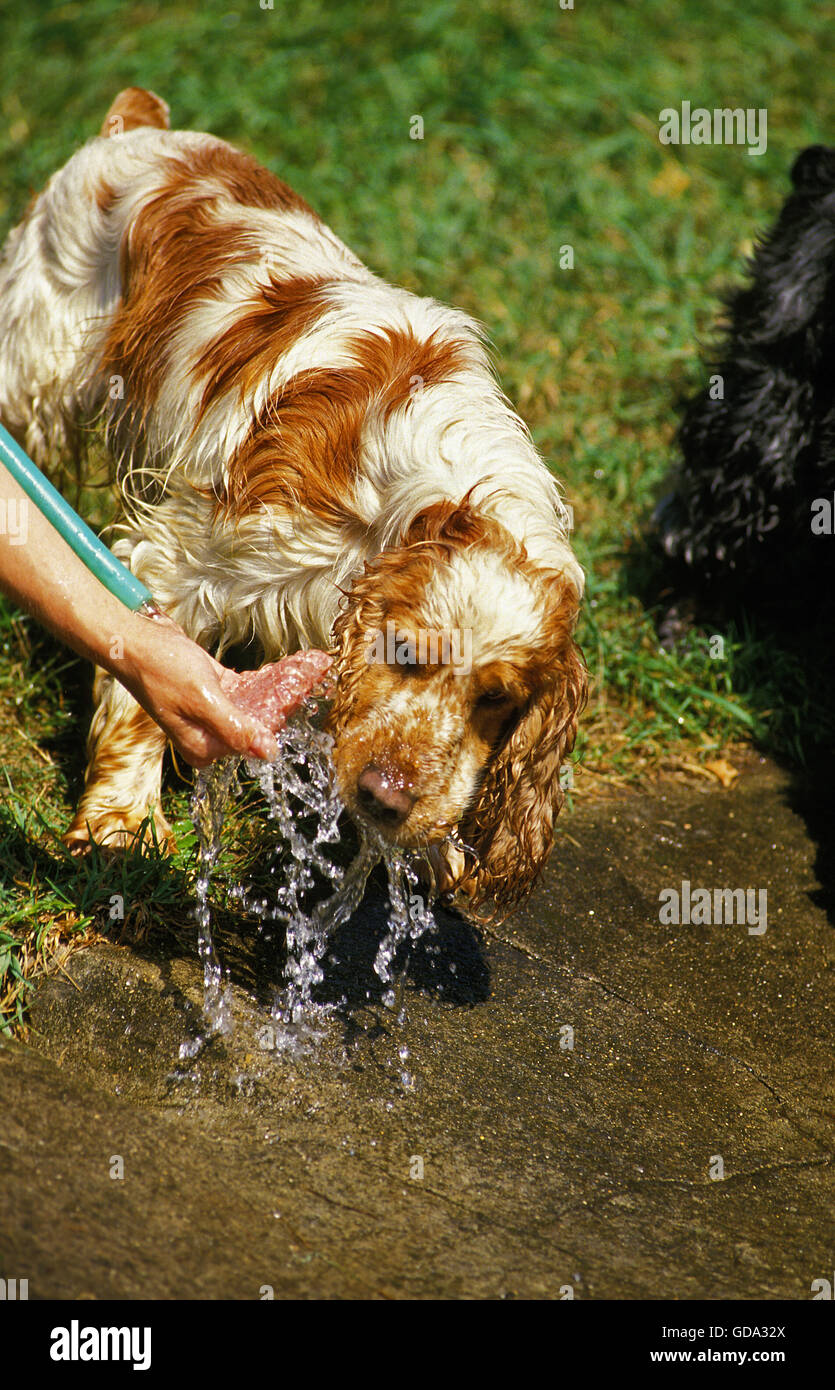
490 698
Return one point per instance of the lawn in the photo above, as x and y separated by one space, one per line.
540 132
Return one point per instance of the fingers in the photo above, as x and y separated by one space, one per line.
195 746
225 732
275 691
243 731
249 735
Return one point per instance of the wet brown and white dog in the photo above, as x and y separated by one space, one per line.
308 456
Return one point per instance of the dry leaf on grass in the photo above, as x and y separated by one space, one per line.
723 771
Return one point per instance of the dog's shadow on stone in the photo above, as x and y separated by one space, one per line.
788 628
810 795
448 963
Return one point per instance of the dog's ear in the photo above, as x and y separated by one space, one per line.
814 169
511 824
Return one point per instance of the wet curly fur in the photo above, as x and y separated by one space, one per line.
738 520
507 830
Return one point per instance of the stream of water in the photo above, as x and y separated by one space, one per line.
305 809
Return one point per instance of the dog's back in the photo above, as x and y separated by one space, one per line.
242 358
138 206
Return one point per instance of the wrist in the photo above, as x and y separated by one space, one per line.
128 648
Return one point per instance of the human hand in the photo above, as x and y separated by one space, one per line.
207 710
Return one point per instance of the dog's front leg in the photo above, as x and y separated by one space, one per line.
122 783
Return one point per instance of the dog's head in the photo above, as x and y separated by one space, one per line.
458 692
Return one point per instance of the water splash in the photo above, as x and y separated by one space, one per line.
208 811
315 895
410 917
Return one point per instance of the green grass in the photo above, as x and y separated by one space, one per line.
540 130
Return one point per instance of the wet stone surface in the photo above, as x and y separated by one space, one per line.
546 1167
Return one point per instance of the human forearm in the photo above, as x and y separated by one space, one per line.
181 686
41 571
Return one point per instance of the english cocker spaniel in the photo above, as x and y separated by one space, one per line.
307 456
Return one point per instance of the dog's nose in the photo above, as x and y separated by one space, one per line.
381 798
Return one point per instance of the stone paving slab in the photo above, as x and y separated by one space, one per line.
553 1165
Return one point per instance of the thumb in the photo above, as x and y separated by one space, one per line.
246 734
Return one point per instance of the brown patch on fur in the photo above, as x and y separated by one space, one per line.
451 524
134 108
245 180
174 254
302 450
266 328
409 364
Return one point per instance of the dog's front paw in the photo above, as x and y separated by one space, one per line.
115 828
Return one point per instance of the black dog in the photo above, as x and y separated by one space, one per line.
758 443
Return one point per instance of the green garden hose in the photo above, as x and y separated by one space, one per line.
90 550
